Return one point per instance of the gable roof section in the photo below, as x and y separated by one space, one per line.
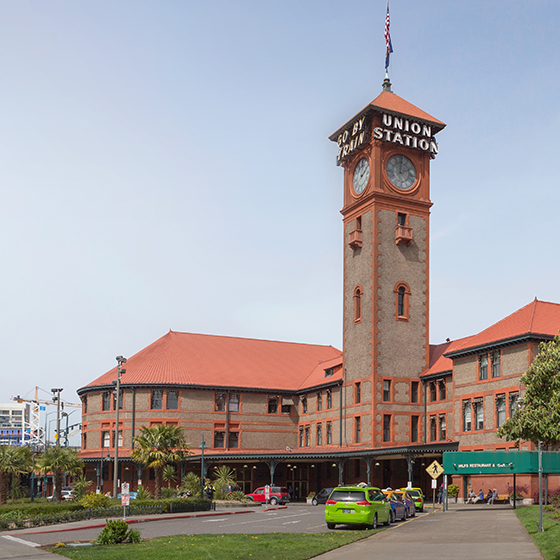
389 102
439 363
537 320
206 360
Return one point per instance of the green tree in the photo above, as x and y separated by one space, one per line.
539 417
158 446
169 474
13 462
60 460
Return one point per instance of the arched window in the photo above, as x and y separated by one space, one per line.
358 304
402 295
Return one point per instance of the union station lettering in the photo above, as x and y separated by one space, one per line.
397 130
406 133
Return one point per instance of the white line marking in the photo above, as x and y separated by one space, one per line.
20 541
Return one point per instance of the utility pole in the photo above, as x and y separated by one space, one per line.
57 400
120 371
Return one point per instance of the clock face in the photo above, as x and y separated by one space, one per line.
361 176
401 172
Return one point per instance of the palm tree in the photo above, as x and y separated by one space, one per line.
13 462
60 460
169 475
224 477
158 446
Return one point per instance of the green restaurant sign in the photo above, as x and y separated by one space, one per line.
499 462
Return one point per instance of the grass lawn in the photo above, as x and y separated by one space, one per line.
270 546
549 540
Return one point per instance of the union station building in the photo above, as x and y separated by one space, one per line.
308 416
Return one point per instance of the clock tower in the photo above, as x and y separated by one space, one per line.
385 151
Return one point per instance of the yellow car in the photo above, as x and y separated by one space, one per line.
417 495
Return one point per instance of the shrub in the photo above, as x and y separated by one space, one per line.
520 491
116 531
453 490
238 496
167 493
553 497
80 487
191 483
95 501
142 493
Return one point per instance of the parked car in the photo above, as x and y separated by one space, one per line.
397 507
66 495
133 495
322 496
407 500
278 495
418 496
356 505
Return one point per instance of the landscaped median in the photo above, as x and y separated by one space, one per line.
548 541
37 515
281 546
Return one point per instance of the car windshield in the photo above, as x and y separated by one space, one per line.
414 493
348 496
376 495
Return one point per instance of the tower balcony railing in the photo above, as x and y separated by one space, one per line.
403 235
355 239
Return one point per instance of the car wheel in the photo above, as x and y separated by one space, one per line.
389 518
273 501
413 514
315 502
331 525
374 523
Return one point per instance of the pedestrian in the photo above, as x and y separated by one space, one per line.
440 495
492 497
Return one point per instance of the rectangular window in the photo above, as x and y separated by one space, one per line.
442 390
500 410
106 401
359 223
233 440
157 400
401 219
442 428
357 429
513 403
120 438
414 392
121 393
433 428
301 436
414 429
219 402
478 415
329 399
273 405
483 367
433 392
219 439
386 427
319 401
84 441
172 400
234 402
386 390
307 442
84 404
329 433
304 405
319 434
496 365
358 393
466 416
286 408
106 439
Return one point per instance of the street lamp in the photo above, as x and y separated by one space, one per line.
66 415
100 473
117 382
202 447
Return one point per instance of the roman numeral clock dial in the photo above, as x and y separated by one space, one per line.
361 176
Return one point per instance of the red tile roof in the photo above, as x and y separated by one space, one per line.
387 101
207 360
539 319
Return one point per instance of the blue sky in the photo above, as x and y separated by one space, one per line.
166 165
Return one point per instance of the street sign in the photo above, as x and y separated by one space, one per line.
125 488
125 499
435 470
267 492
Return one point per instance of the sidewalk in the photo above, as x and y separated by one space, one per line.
464 532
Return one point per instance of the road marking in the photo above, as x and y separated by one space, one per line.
20 541
212 520
291 522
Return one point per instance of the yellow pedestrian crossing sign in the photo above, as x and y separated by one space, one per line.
435 470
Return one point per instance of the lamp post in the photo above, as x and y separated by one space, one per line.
117 382
66 415
100 473
202 447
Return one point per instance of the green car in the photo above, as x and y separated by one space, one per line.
418 497
356 505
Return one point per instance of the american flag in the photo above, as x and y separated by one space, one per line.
388 37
